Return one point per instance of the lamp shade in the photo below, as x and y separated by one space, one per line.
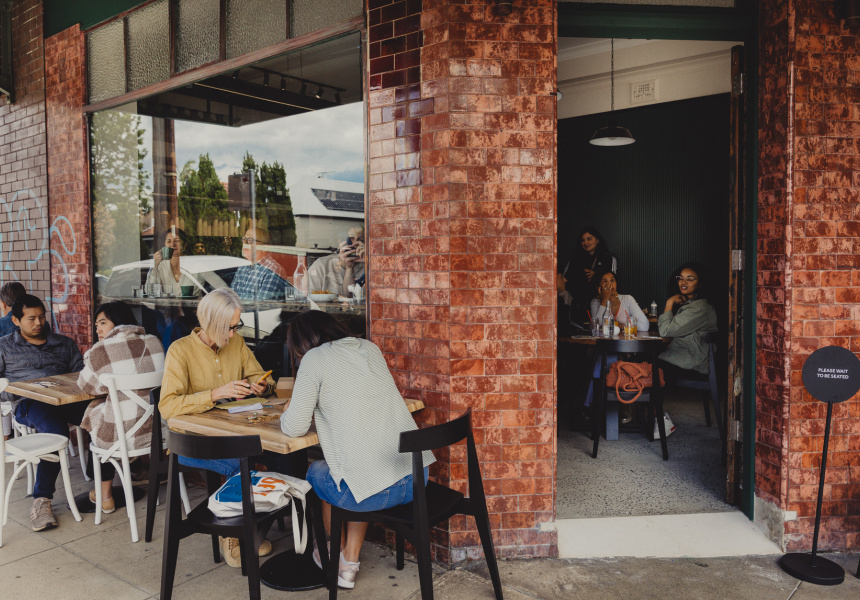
612 135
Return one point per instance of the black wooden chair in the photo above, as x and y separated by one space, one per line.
654 394
432 503
250 528
157 467
708 384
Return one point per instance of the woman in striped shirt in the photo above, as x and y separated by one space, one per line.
344 384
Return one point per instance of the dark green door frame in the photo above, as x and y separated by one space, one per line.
690 23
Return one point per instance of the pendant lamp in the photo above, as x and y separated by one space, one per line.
612 134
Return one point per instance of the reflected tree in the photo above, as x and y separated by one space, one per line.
273 200
121 189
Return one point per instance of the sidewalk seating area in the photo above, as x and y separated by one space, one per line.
86 561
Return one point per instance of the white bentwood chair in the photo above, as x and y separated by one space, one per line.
29 450
118 454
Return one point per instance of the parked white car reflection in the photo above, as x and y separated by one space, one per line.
208 273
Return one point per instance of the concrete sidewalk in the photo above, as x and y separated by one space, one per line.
89 562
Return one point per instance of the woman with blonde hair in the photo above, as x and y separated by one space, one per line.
213 363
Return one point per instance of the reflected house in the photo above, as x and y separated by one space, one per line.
325 209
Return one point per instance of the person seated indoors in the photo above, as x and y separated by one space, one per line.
335 272
344 386
582 272
123 348
687 318
30 353
213 364
623 309
264 278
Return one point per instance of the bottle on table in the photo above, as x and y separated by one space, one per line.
653 308
300 278
608 321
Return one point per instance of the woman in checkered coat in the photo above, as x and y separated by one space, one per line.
123 349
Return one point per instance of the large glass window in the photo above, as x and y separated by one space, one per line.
243 180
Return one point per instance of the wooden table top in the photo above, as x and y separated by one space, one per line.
591 340
220 422
63 390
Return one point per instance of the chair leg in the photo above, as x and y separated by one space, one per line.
661 424
129 498
399 547
425 565
334 556
251 564
152 492
67 484
97 474
183 494
171 544
598 404
82 451
482 520
216 549
705 399
316 517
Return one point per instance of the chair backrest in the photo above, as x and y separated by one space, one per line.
213 447
440 436
116 383
437 436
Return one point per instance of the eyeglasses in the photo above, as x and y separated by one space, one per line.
235 328
248 240
687 279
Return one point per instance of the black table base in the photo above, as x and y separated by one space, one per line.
85 506
292 572
813 569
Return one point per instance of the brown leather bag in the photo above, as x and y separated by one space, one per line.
631 377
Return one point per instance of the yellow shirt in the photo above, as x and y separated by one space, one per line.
192 370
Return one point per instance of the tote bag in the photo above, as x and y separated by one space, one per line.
271 491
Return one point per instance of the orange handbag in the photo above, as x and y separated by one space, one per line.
631 377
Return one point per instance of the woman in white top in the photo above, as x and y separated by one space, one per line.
167 272
344 385
623 308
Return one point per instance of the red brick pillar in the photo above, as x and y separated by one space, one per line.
68 184
809 254
462 243
24 224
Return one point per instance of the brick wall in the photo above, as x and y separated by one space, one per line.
68 184
24 221
809 240
462 243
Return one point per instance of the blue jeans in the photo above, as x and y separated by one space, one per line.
288 464
324 485
45 418
589 394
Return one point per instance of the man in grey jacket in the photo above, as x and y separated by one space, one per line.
33 352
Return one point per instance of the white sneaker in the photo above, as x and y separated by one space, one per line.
347 573
667 422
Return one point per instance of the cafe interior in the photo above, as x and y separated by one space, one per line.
660 199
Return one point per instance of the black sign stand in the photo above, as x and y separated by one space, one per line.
831 375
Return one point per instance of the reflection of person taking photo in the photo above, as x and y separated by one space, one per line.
333 273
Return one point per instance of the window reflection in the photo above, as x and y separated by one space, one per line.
199 189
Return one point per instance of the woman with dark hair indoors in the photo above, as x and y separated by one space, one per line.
582 272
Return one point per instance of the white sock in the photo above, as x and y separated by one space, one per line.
346 562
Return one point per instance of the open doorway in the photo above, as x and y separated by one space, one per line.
660 202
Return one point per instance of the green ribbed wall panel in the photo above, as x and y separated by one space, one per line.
659 202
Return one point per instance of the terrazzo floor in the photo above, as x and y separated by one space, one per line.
629 477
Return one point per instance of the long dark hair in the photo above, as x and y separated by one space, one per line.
601 243
703 289
311 329
117 312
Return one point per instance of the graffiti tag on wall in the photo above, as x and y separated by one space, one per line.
27 222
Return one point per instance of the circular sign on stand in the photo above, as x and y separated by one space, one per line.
831 375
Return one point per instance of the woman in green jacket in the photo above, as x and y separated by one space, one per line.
687 319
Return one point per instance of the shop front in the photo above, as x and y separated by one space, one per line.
152 154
